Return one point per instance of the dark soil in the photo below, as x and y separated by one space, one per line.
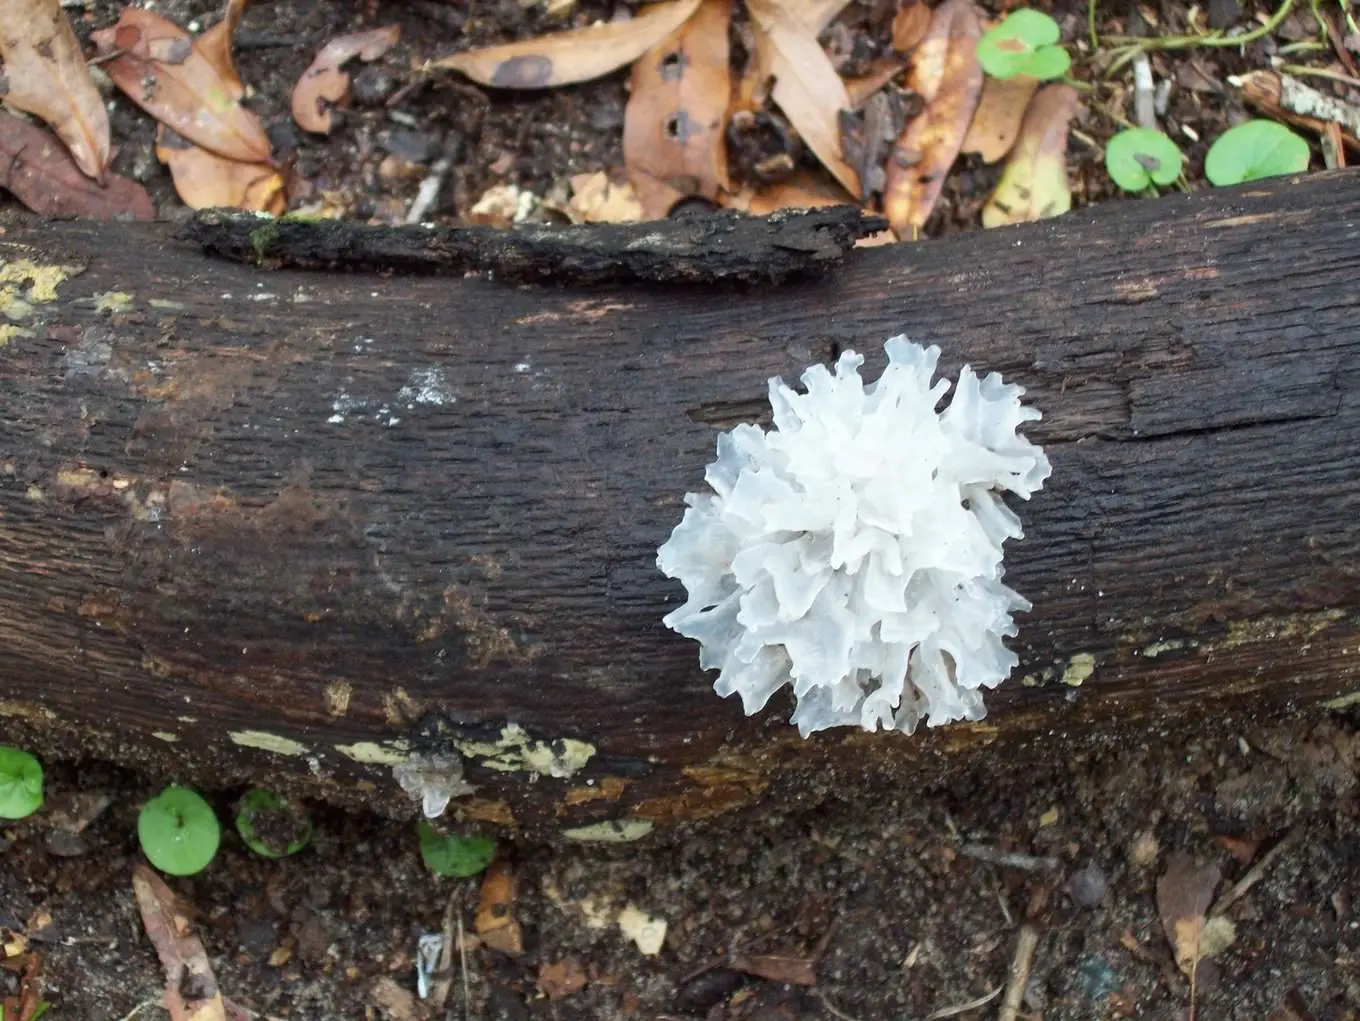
886 900
877 896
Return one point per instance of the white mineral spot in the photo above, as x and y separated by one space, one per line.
426 386
647 932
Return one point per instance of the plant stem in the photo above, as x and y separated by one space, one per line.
1131 47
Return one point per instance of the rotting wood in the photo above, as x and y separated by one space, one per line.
292 525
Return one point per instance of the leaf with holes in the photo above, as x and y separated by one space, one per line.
1255 150
45 74
676 118
807 87
1137 158
578 55
1024 43
41 173
947 75
156 64
1034 184
326 82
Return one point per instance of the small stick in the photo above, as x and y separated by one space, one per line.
1256 873
1010 859
462 956
964 1008
1018 978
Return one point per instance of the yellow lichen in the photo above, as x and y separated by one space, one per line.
392 753
1079 668
268 742
337 695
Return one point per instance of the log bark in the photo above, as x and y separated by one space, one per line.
293 525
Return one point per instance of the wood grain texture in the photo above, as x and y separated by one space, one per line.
338 509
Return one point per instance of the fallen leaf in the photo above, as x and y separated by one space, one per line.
803 191
205 180
394 1002
597 199
675 122
648 933
1034 184
910 25
162 72
325 83
862 89
42 174
191 992
868 136
806 85
795 971
496 925
45 74
1184 894
946 74
1242 849
578 55
1000 111
561 978
215 45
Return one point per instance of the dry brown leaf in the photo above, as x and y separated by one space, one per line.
676 119
215 45
325 83
910 25
880 73
597 199
1184 894
794 971
191 992
578 55
807 87
162 72
947 75
46 76
1034 184
817 13
1000 111
562 978
42 174
802 191
496 925
205 180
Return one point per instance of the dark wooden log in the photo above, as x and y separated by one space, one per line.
290 525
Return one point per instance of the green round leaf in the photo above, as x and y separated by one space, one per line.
1024 44
21 783
1137 157
1255 150
448 855
272 826
178 831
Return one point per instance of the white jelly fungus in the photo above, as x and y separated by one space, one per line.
854 550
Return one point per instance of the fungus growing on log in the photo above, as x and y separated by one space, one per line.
855 550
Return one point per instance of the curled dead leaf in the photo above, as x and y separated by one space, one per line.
205 180
158 68
947 75
807 87
1184 893
578 55
215 45
1034 184
675 124
999 114
42 174
496 925
45 74
326 83
597 199
910 25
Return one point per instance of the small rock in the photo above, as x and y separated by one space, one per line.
410 145
1088 886
707 990
372 86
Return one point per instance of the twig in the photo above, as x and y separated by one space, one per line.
1001 899
428 191
1130 47
1009 859
964 1008
462 958
832 1009
154 1002
1256 873
439 989
1018 979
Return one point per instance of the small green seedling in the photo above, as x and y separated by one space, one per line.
178 831
272 826
1024 44
1139 157
1255 150
21 783
449 855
